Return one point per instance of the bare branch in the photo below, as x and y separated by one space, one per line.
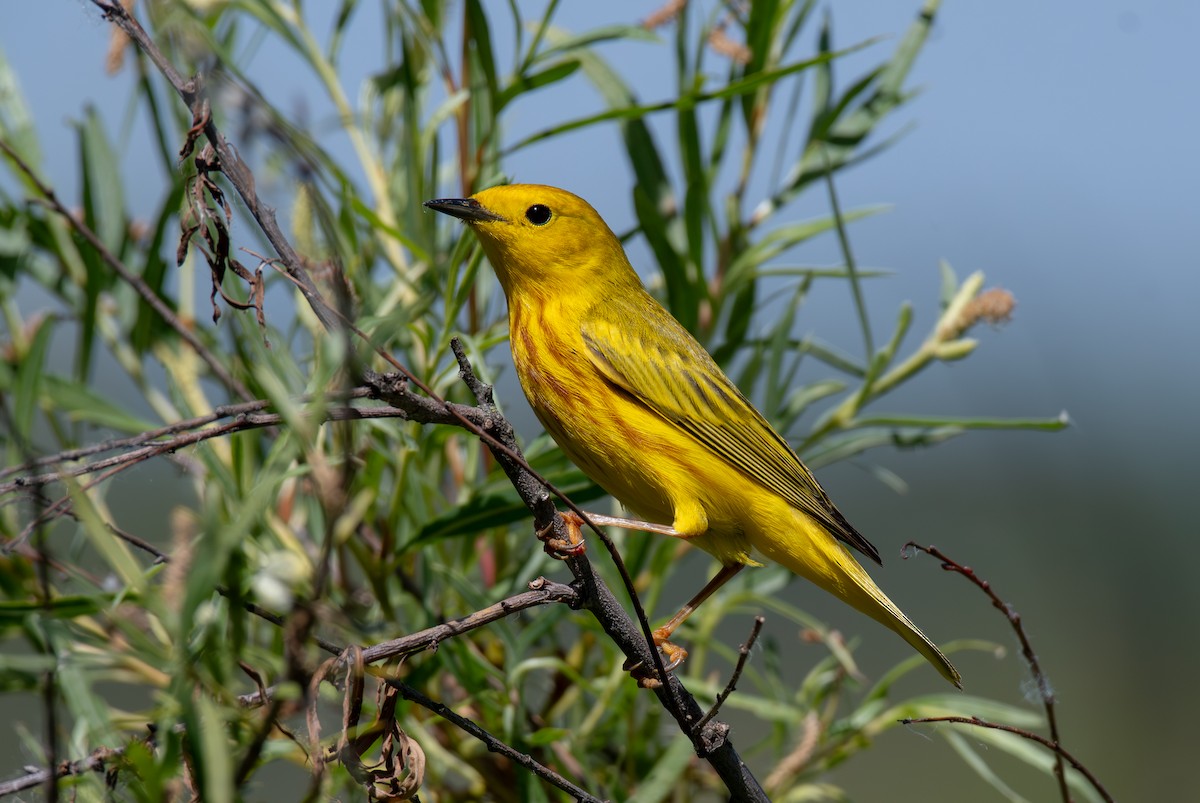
743 654
541 592
239 175
1045 692
1058 750
95 762
493 744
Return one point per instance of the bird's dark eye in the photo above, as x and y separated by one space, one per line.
538 214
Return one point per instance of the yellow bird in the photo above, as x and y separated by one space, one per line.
642 409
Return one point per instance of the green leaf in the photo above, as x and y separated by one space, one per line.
973 760
731 90
30 371
103 190
149 325
65 607
843 447
16 122
490 509
664 776
544 736
779 240
213 754
565 43
1061 422
114 551
949 283
81 403
680 298
525 84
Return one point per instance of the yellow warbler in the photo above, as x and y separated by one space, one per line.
641 407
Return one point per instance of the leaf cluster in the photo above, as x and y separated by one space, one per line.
152 627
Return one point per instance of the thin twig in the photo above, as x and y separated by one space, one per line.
542 592
1045 692
493 744
129 277
149 447
1059 751
743 654
191 92
94 762
223 411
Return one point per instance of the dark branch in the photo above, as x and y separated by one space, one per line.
743 655
1045 692
1057 748
493 744
95 762
239 175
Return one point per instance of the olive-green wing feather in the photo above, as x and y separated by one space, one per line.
674 376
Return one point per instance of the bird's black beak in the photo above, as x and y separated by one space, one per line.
467 209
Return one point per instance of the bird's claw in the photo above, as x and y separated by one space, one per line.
673 654
647 676
562 548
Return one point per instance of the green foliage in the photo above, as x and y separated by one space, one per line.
381 527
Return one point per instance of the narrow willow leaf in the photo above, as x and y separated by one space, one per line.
30 370
66 607
81 403
1043 424
663 778
565 43
525 84
975 761
114 551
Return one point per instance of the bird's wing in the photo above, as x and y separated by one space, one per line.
649 354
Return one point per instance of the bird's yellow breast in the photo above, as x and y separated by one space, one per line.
654 469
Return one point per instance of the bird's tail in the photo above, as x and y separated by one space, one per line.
816 556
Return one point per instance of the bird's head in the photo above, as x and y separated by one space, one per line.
542 240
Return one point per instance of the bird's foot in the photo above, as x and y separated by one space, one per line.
562 548
672 654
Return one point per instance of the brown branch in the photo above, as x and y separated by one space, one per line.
1045 692
114 465
743 654
155 448
493 744
541 592
129 277
239 175
1059 751
224 411
94 762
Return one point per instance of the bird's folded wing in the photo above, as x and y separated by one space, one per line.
676 378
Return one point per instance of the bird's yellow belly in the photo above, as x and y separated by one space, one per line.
657 471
